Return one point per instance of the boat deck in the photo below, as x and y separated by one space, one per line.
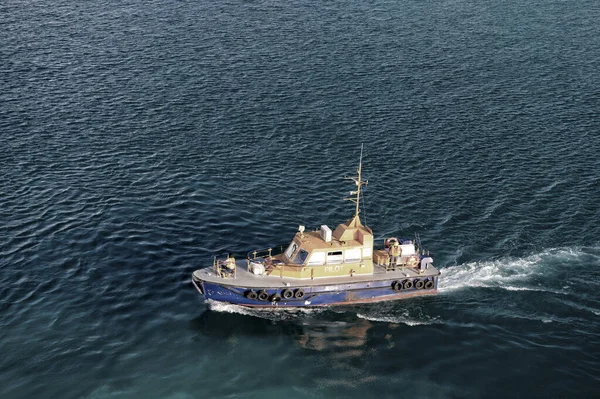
247 279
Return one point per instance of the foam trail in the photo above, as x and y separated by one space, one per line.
511 288
506 273
265 313
405 318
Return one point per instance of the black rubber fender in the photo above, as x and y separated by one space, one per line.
287 294
397 286
407 284
275 298
263 296
251 295
429 285
420 284
299 293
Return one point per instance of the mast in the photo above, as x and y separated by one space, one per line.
356 194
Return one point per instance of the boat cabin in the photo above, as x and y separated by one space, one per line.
347 251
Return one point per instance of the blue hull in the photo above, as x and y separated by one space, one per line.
316 295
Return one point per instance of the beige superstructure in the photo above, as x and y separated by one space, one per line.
349 252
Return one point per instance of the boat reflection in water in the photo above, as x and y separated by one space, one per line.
332 349
351 336
313 333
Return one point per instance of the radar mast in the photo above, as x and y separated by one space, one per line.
355 195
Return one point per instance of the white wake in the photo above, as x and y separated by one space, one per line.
512 274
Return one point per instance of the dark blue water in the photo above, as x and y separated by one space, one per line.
138 138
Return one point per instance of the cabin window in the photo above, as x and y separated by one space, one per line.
334 257
291 249
367 252
352 255
407 249
300 257
317 258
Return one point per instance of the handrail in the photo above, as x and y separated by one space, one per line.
266 252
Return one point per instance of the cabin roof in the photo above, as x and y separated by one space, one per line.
346 235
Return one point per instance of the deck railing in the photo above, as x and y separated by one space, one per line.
267 252
403 261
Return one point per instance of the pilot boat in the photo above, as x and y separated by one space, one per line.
324 267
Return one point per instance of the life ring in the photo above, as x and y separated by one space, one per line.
287 293
251 295
275 298
413 261
396 286
407 284
299 294
262 295
429 285
419 284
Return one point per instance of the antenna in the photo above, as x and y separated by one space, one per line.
364 209
359 183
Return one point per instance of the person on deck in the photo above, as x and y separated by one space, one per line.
230 264
395 252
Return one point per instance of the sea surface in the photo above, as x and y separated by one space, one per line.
140 138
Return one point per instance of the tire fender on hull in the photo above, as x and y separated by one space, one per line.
263 295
